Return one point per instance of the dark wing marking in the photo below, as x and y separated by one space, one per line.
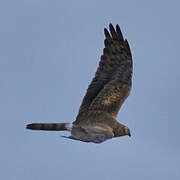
112 82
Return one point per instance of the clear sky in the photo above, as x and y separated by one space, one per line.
49 52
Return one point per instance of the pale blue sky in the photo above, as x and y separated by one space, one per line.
49 54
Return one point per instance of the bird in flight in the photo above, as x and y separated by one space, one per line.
111 85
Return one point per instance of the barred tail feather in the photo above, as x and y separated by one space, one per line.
50 126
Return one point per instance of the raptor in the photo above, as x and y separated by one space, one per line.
111 85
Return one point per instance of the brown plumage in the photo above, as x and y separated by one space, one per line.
96 120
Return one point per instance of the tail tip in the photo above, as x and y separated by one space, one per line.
29 126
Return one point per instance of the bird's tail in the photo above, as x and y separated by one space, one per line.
50 126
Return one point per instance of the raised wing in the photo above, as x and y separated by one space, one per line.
112 82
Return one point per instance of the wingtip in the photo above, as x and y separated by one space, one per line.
108 36
111 28
127 47
118 27
105 30
110 25
113 32
119 33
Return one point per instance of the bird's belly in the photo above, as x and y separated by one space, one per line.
91 134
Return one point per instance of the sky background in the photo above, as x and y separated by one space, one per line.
49 52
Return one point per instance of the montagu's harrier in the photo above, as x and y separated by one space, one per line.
96 120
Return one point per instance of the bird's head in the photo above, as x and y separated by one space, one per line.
121 130
127 131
